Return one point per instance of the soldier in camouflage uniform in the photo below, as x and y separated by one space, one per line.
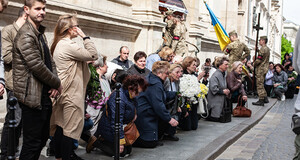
235 49
179 34
167 36
261 65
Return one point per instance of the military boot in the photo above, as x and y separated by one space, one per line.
266 100
260 102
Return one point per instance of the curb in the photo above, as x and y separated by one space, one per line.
219 145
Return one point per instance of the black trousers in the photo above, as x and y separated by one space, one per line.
248 84
164 128
109 148
278 92
191 121
36 126
4 135
145 144
268 89
63 145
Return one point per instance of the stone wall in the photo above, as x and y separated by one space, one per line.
138 24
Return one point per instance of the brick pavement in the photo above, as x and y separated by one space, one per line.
271 139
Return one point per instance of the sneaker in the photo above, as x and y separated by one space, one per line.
75 157
283 98
170 138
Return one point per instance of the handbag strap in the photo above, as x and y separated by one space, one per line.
240 100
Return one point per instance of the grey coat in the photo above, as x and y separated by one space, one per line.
281 78
216 97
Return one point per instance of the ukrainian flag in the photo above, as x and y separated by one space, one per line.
222 35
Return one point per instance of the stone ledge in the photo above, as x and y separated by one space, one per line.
124 2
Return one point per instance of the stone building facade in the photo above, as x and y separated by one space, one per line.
138 24
290 30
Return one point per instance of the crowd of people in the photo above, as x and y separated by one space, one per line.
66 92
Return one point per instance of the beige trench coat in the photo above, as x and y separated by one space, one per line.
73 71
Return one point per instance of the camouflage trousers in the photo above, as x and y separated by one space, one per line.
181 49
297 147
260 79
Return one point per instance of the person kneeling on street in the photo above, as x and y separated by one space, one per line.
104 136
151 107
280 80
234 83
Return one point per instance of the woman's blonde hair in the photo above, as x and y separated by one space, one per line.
173 66
160 67
165 52
235 65
61 29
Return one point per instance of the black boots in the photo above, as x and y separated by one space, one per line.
260 102
266 100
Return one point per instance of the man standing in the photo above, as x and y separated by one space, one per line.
3 5
179 34
8 35
122 60
235 49
34 80
167 36
261 64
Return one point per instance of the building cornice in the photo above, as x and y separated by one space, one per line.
97 19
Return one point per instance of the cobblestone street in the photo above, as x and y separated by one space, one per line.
271 139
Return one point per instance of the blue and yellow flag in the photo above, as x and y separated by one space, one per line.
222 35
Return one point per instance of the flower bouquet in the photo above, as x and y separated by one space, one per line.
189 90
95 96
202 100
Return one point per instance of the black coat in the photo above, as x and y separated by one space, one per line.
135 70
151 107
106 126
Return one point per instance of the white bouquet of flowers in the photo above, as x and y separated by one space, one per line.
190 87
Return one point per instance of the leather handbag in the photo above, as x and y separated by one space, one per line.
240 110
131 133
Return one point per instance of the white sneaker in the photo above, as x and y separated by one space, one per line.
283 98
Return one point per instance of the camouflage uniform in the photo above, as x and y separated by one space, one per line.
178 42
262 65
235 50
167 35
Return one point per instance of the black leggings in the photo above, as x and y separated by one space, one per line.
63 145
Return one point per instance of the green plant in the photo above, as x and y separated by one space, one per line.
286 47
